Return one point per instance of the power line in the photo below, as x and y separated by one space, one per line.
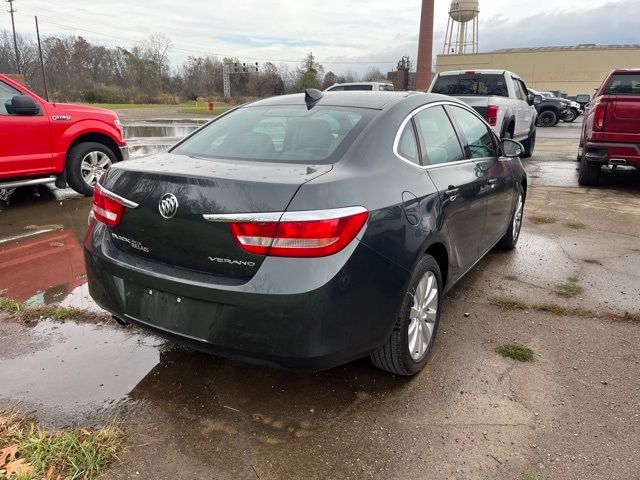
202 52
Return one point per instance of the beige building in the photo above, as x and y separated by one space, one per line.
574 70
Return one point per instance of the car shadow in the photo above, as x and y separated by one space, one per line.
215 394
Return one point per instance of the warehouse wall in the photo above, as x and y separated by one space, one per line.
574 71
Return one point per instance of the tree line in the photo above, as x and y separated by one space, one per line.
80 71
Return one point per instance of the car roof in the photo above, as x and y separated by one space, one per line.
358 99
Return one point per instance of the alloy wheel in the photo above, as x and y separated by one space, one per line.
517 218
93 166
423 314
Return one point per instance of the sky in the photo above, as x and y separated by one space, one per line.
344 35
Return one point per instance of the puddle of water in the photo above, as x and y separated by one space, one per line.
42 262
82 369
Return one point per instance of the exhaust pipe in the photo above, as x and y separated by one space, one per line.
120 321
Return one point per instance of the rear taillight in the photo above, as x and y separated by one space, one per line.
106 209
301 234
492 115
599 115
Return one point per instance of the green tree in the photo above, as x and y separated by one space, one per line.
309 74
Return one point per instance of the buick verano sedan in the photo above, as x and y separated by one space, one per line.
305 231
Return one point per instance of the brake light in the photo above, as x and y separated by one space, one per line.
492 115
106 209
470 72
598 116
301 234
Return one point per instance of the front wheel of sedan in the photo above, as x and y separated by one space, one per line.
510 239
409 346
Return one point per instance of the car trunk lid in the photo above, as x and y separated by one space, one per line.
200 187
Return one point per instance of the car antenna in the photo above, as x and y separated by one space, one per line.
312 96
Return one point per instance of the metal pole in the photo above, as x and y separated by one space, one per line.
44 77
15 38
425 46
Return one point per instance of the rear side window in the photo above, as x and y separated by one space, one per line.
623 84
440 141
408 144
288 133
386 88
6 94
477 133
472 84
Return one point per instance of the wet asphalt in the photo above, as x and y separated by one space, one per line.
572 413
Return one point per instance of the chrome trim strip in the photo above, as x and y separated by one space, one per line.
302 216
243 217
116 198
296 216
396 141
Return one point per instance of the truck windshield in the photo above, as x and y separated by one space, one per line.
623 84
471 84
287 133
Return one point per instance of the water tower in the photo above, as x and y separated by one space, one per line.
460 38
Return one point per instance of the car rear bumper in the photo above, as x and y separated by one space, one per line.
613 153
298 314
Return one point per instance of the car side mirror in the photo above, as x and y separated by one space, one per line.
511 148
583 98
535 99
24 105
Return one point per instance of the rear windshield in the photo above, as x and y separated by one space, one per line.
351 88
623 85
288 133
472 84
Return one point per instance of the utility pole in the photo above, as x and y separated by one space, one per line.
15 39
425 46
44 77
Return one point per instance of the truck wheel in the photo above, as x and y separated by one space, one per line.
86 163
571 116
529 144
588 173
548 118
411 341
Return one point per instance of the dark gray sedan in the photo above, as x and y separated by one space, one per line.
305 231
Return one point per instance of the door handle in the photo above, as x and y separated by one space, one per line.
452 192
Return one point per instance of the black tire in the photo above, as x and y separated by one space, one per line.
588 173
76 155
511 237
394 356
548 118
570 117
529 144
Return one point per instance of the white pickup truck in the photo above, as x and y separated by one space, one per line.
501 97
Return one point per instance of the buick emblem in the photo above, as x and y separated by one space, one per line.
168 205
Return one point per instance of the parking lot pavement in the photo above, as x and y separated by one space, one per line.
574 412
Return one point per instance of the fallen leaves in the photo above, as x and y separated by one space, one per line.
9 466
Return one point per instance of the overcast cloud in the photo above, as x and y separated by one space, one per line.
343 34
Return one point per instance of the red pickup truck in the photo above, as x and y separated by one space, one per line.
611 127
42 142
